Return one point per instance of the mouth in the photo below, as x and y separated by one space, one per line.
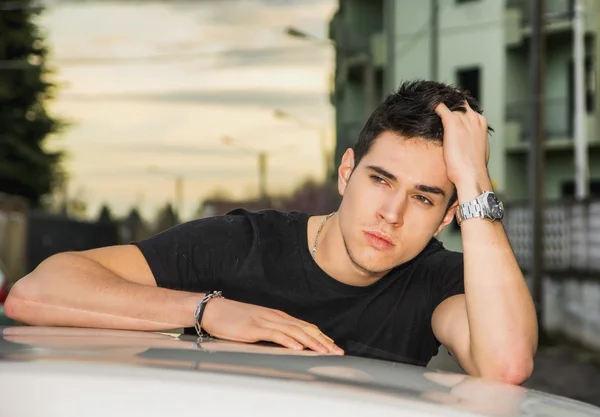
379 240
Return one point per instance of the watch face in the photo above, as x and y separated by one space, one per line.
496 209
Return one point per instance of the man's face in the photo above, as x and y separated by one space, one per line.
394 201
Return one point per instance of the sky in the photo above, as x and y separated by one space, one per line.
151 89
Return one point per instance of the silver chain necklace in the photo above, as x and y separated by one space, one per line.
313 251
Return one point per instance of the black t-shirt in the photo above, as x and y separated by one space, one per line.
263 258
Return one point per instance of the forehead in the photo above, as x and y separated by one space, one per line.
418 160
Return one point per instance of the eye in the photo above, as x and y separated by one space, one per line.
378 180
424 200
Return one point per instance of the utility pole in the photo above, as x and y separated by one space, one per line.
323 134
178 181
262 163
369 85
537 153
434 38
178 196
262 175
581 150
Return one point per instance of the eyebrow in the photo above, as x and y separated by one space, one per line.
382 172
431 189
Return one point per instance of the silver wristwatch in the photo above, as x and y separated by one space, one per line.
485 206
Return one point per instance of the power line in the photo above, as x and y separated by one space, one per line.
422 31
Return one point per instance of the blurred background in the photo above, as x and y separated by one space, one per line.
120 119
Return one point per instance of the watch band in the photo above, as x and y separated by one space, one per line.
469 210
199 311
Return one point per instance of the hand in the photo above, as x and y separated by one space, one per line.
241 322
466 145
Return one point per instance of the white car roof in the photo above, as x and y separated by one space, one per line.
91 372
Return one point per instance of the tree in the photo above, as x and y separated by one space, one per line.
312 197
26 169
166 218
105 215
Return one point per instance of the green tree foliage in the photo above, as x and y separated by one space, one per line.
26 169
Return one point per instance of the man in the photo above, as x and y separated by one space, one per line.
370 279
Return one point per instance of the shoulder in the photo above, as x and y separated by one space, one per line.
238 228
442 271
438 260
436 252
266 219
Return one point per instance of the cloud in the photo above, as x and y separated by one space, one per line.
164 148
310 54
238 98
133 173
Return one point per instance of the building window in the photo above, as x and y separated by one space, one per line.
470 79
568 189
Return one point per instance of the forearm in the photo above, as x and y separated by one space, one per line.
71 290
501 315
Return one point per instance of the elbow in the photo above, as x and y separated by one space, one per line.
18 302
514 370
30 290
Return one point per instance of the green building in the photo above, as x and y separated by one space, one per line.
482 46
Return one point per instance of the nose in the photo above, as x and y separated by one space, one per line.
393 209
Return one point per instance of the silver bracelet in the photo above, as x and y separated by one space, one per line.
199 311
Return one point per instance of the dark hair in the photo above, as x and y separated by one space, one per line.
409 112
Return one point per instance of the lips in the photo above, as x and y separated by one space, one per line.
379 240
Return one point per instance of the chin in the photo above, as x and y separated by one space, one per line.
373 264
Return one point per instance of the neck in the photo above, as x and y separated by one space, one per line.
332 256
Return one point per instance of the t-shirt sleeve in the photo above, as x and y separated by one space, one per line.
446 275
195 256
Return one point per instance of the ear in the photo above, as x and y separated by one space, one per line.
448 217
345 170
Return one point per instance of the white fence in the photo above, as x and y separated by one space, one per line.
572 264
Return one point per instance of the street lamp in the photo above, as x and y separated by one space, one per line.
261 155
297 33
325 153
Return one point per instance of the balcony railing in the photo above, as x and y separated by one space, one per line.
571 236
571 278
556 10
557 116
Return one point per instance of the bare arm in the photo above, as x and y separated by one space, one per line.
492 328
114 288
110 287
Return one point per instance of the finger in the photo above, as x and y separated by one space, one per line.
468 108
443 111
448 116
472 114
280 338
315 332
312 330
300 335
482 121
